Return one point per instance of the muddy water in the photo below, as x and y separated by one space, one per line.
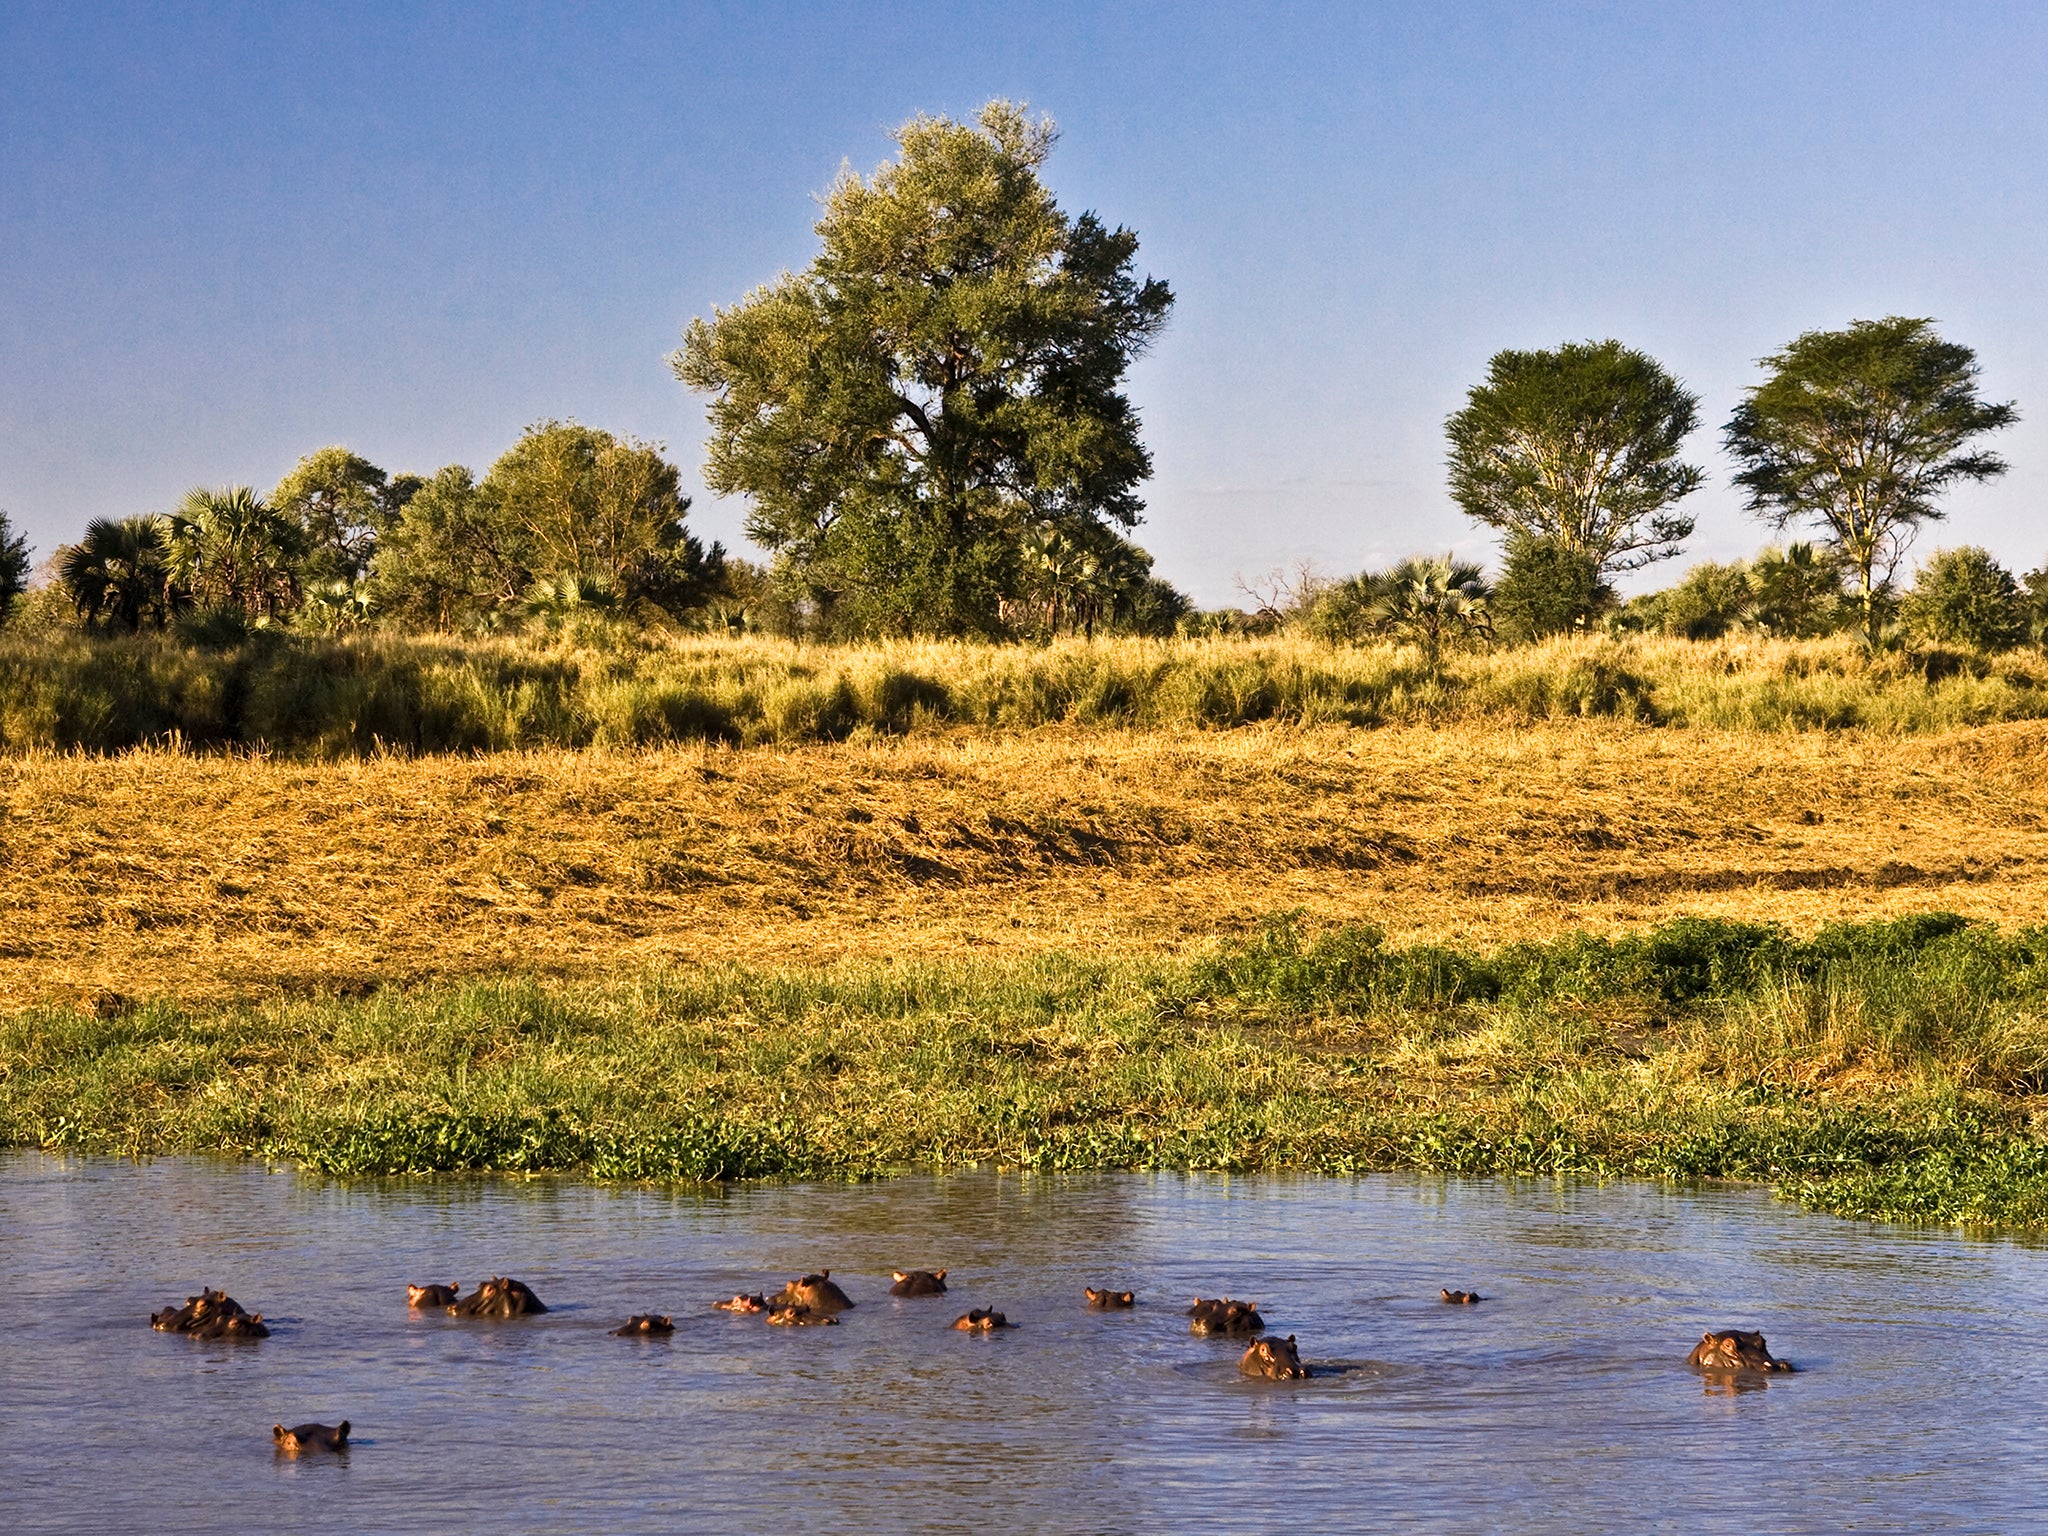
1559 1404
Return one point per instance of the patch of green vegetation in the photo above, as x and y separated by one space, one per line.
1886 1070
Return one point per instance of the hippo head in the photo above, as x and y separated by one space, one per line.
982 1320
743 1302
1104 1301
1462 1298
431 1295
310 1437
650 1325
1274 1360
817 1292
1734 1349
1223 1315
918 1282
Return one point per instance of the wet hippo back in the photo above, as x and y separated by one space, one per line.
1274 1360
1734 1349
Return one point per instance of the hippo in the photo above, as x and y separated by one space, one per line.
919 1282
431 1295
1463 1298
310 1437
799 1316
743 1303
1732 1349
816 1292
1109 1301
1222 1315
211 1315
1274 1360
646 1325
982 1320
498 1298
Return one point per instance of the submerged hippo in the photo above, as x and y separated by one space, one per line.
801 1317
919 1282
498 1298
1463 1298
1109 1301
1732 1349
646 1325
743 1303
211 1315
431 1295
817 1292
310 1437
1222 1315
1274 1360
982 1320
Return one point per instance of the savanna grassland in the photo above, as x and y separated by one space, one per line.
1481 931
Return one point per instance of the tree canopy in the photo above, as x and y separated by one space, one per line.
341 503
13 565
940 381
1859 432
1578 447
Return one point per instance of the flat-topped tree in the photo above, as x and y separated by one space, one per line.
1858 432
1575 451
940 382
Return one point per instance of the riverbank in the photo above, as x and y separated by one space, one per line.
211 878
1888 1070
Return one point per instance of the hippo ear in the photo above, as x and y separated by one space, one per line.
938 1274
1707 1337
1290 1338
277 1431
824 1274
898 1276
341 1431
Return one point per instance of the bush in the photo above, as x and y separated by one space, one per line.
1965 597
1547 589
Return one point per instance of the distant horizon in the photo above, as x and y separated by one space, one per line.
243 233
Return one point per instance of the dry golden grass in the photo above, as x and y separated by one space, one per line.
161 873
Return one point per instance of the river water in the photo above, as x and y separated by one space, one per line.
1559 1404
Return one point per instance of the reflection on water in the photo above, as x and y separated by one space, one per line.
1558 1404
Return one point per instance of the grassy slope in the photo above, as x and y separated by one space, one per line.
210 877
1880 1069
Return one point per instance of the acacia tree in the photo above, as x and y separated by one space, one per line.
942 378
1858 432
1578 449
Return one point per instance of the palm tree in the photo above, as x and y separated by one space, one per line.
236 551
1429 601
121 573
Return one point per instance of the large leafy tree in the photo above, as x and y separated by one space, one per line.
1858 432
940 381
342 503
1578 449
120 573
567 509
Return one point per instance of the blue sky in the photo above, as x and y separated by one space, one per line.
230 234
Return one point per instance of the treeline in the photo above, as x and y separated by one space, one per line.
928 426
